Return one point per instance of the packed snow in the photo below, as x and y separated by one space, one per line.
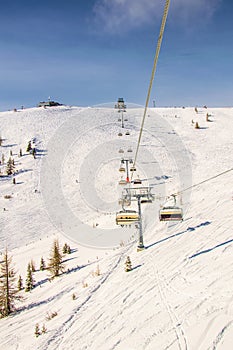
178 294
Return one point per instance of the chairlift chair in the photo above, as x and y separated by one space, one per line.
122 182
132 168
127 133
120 134
137 181
171 214
121 169
146 200
121 150
123 202
126 217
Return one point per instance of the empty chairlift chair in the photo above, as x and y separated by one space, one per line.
122 182
171 214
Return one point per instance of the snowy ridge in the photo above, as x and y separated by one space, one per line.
179 293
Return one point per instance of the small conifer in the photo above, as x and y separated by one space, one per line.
128 265
43 329
29 283
37 330
29 147
42 264
20 283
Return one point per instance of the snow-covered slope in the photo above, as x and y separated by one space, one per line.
179 293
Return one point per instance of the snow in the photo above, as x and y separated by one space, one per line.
179 293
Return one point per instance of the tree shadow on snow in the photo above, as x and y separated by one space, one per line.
136 267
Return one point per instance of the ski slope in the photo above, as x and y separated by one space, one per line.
179 293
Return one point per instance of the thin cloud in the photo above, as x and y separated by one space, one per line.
123 15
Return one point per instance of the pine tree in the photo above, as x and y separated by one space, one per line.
1 141
20 283
68 251
55 265
10 167
29 147
33 267
8 291
37 330
20 152
29 283
43 329
128 265
42 264
97 271
64 249
3 159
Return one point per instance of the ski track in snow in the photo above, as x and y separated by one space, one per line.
59 334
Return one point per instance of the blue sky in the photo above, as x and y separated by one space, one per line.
91 52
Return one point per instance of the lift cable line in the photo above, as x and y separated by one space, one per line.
198 184
206 180
152 76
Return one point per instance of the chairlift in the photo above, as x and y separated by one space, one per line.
120 134
132 168
124 202
146 200
127 133
119 119
126 217
137 181
129 150
125 120
122 182
121 169
121 150
171 214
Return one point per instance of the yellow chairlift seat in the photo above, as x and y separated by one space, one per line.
127 217
121 169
